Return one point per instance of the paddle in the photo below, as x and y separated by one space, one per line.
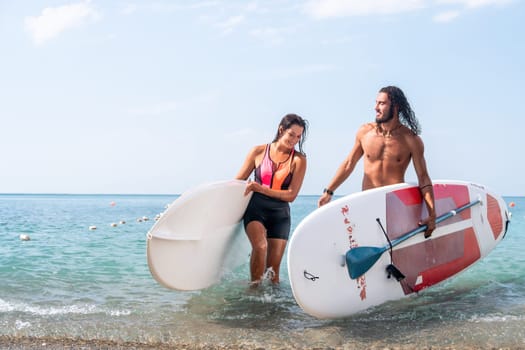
360 259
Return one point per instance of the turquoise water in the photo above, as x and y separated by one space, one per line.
72 282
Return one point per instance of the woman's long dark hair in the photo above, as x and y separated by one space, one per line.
406 114
287 122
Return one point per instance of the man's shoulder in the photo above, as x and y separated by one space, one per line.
409 135
414 141
368 127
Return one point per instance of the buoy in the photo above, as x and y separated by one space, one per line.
92 227
25 237
512 204
112 203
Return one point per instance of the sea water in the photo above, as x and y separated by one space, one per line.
70 281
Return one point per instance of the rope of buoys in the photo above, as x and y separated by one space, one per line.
122 222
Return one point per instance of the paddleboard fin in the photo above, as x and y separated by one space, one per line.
394 271
391 270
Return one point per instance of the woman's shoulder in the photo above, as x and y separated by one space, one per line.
299 156
258 149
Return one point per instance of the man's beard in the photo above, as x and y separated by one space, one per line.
386 118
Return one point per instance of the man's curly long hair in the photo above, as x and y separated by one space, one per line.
406 115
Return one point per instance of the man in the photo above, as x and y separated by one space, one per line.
388 146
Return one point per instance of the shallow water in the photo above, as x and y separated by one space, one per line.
71 282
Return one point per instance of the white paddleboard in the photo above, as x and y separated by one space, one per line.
200 236
320 273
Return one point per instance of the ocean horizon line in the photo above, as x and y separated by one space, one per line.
84 194
154 194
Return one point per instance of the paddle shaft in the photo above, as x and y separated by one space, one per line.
438 220
361 259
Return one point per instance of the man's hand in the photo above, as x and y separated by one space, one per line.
325 198
431 225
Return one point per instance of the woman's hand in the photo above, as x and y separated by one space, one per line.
252 186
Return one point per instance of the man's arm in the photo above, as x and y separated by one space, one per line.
425 184
345 169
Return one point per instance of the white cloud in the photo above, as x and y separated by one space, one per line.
321 9
231 23
129 9
205 4
339 40
55 20
475 3
298 71
271 36
446 16
157 109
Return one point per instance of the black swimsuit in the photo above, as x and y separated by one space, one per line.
273 213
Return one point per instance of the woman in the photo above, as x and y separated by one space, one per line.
279 172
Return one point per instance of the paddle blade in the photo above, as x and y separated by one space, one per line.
360 259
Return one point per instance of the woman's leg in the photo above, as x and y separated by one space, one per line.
257 235
276 249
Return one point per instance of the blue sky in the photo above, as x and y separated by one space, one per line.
160 96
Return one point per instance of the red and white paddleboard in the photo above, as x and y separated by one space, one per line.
473 221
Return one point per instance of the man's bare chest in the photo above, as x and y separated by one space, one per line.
379 148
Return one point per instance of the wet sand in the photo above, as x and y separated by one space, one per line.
23 343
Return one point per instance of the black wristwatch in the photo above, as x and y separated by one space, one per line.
330 192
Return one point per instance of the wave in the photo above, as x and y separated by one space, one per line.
80 309
496 318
